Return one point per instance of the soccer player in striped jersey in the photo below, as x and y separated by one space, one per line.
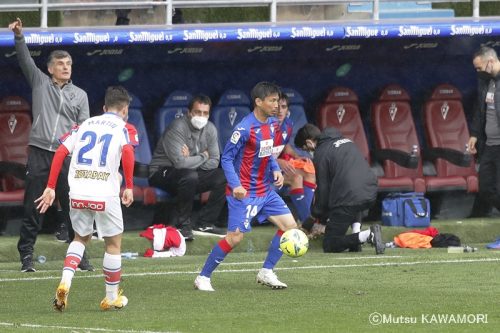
251 170
97 146
298 171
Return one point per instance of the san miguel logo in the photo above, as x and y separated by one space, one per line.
444 110
393 109
12 123
340 113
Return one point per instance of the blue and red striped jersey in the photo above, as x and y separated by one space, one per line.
247 158
282 135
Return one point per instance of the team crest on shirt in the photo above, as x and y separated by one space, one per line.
235 137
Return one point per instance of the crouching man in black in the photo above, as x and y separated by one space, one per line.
346 187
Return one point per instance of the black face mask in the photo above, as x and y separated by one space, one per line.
483 75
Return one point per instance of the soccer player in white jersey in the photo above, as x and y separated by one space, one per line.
97 146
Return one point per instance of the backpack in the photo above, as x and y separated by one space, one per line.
445 240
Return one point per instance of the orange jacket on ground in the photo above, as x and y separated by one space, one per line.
413 240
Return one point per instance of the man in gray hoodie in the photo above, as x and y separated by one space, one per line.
185 162
58 105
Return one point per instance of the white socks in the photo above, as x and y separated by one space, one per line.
356 227
73 257
364 235
111 266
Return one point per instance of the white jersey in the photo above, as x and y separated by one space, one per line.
96 146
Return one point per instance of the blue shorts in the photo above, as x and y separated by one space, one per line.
241 212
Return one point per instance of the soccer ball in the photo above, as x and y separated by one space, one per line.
294 243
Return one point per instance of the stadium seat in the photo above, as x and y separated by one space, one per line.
296 111
15 127
395 135
447 135
340 110
175 106
142 191
233 105
297 114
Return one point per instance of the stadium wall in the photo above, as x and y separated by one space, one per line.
152 62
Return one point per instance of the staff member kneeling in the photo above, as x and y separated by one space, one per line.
346 187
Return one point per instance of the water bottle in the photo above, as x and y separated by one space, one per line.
461 249
468 249
130 255
390 245
41 259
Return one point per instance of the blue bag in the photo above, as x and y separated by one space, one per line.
406 209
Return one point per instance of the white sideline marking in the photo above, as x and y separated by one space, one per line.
406 263
341 258
86 329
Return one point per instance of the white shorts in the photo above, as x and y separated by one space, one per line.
105 211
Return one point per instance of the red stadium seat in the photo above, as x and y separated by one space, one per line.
446 127
15 127
340 110
394 131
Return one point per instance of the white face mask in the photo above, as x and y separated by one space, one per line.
199 122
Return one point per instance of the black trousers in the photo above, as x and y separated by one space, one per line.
37 174
340 219
184 184
489 175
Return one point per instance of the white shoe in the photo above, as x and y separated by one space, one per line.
268 278
203 283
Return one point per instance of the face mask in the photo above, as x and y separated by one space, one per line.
199 122
483 75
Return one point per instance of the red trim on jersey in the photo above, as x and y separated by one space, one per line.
299 190
55 168
224 245
310 185
128 165
65 135
132 134
279 232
